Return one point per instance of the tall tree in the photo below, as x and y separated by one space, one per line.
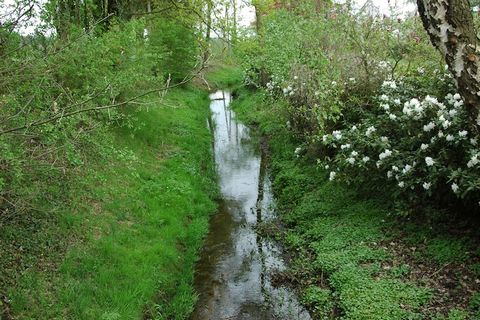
234 20
208 34
261 8
449 24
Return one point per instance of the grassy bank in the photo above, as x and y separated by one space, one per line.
353 258
125 246
223 75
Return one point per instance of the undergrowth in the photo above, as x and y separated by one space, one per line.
353 257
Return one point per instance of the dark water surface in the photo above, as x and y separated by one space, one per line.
233 274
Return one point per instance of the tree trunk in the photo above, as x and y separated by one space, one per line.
86 23
258 19
449 23
208 34
227 31
234 21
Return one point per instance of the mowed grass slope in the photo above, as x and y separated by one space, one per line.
133 235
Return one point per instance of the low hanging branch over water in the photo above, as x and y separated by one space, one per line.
449 24
61 115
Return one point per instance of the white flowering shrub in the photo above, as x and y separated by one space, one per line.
422 147
325 62
335 71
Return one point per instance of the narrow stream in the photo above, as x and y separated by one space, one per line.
234 271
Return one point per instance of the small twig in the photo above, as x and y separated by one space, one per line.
443 267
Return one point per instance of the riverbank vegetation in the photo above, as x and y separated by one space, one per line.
374 155
106 172
125 244
352 255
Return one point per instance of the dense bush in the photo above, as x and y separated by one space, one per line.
178 46
422 145
46 79
371 97
87 73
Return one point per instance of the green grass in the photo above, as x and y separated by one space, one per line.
222 75
340 236
133 236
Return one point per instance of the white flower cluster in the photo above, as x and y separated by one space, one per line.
455 100
474 161
333 174
413 108
429 161
370 130
298 151
413 143
275 84
429 127
337 134
387 153
288 91
455 187
271 85
389 84
383 65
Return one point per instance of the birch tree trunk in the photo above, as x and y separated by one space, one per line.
449 23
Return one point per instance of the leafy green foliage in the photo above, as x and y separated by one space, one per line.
178 46
448 250
362 298
87 148
319 300
349 82
225 76
341 237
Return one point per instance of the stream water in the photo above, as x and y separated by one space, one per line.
233 275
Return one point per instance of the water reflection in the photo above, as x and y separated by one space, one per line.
233 274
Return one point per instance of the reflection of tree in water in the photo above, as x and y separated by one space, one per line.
234 280
259 208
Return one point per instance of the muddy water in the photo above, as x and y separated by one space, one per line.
233 274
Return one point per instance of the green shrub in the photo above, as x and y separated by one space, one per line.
371 97
177 44
475 304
